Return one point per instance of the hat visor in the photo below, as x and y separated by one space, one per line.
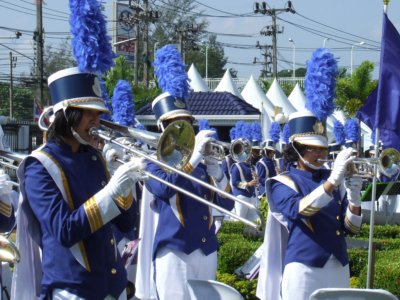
270 148
312 140
83 103
182 113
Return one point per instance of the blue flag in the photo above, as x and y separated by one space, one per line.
382 108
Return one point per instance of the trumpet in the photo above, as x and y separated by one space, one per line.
240 149
169 165
388 164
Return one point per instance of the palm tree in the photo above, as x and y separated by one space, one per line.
352 91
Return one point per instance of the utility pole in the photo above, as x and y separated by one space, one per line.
38 37
142 15
185 36
272 30
13 60
266 53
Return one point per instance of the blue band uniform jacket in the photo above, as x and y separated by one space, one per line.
317 223
241 173
184 224
79 251
298 203
265 169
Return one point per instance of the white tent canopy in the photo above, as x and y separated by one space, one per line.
278 98
254 95
196 82
227 85
297 98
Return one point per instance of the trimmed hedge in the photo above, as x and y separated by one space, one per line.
236 248
387 272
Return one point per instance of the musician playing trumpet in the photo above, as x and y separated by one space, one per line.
244 181
316 207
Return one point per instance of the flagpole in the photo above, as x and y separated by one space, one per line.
372 215
385 5
373 198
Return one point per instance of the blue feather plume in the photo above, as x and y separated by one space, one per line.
352 130
338 132
286 133
170 72
239 129
274 132
232 133
203 124
246 131
91 45
320 83
123 105
256 132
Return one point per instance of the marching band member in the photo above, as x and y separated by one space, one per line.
70 203
266 166
185 243
310 208
311 203
244 184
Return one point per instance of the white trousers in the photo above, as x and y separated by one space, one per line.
174 268
300 281
245 212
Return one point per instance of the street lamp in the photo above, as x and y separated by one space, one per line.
294 57
325 40
206 45
351 55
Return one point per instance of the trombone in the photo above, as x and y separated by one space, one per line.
104 133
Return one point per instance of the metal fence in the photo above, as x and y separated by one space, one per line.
21 136
240 83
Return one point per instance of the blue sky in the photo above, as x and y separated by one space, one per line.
344 22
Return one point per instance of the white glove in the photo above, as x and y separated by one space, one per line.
112 152
5 183
201 140
121 183
214 169
340 165
353 188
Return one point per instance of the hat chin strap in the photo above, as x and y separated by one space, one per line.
306 162
78 137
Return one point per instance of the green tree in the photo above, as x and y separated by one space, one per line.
55 58
22 102
215 56
123 71
352 91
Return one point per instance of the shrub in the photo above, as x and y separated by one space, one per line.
387 272
358 259
234 254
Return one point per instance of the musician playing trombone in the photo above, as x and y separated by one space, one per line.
70 203
185 244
